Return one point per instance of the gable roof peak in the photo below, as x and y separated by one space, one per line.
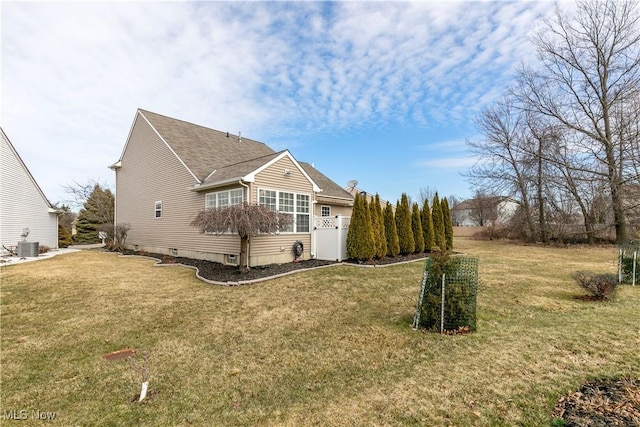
202 149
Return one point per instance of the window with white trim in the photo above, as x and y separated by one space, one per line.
297 206
158 209
325 211
221 199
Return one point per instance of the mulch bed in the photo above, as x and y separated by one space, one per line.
228 273
601 403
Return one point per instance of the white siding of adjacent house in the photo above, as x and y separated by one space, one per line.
151 172
22 203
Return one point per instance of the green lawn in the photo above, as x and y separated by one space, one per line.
326 347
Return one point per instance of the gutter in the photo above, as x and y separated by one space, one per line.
240 180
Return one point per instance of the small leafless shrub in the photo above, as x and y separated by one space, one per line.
600 286
116 236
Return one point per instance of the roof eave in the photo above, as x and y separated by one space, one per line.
212 185
117 165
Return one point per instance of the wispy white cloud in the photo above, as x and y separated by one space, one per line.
74 73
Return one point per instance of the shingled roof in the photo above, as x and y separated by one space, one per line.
204 150
215 157
329 188
238 170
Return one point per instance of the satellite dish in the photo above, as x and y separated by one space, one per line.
352 183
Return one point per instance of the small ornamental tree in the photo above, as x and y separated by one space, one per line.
97 211
416 225
391 231
438 224
403 223
245 220
360 241
448 223
427 227
382 249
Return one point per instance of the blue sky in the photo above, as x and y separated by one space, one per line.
381 92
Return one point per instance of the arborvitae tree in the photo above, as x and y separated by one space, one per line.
403 222
382 250
360 242
448 223
416 225
97 211
438 224
427 226
373 217
64 237
391 231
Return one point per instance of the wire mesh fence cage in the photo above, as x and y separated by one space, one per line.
628 268
448 295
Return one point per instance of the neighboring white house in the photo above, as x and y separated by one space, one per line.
485 211
22 203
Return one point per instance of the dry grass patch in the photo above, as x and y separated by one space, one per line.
325 347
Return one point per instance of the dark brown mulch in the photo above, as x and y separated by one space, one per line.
590 298
228 273
601 403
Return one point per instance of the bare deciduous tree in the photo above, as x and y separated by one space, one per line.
589 69
79 193
504 162
483 208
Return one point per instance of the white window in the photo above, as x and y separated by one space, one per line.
268 198
158 205
222 199
295 205
325 211
235 197
302 213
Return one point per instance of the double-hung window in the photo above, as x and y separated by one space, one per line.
296 206
158 210
221 199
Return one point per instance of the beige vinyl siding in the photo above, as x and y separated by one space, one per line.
150 172
278 247
335 209
274 178
22 204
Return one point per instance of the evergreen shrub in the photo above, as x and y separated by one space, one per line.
460 294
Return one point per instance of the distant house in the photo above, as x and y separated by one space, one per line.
484 211
170 169
23 205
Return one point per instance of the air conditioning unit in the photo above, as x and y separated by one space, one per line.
28 249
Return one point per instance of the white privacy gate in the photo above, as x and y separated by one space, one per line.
331 237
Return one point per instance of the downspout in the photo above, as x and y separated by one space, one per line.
249 241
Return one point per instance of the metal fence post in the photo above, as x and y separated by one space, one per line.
635 263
